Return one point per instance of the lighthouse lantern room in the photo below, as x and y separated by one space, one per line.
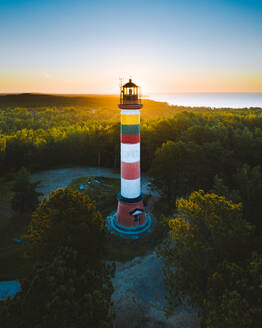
130 94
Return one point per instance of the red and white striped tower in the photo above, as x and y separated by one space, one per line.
130 211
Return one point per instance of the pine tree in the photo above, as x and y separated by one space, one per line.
25 197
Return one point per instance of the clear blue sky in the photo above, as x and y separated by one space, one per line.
167 46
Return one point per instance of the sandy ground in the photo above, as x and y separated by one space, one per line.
60 178
139 296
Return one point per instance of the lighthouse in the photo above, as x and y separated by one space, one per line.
130 218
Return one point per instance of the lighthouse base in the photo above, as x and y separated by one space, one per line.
130 220
130 212
129 233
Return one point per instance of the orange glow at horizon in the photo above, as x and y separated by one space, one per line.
46 82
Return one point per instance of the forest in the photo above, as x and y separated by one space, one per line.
206 164
88 134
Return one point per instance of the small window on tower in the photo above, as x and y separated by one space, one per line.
130 91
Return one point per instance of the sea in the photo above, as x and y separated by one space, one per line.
213 100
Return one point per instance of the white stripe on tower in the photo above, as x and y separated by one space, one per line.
130 112
130 188
130 153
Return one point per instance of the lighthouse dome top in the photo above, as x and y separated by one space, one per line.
130 95
130 84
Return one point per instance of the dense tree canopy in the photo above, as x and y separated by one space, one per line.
67 218
247 188
70 285
53 135
214 258
249 183
175 169
208 235
235 296
63 292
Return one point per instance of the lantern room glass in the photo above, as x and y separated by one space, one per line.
130 94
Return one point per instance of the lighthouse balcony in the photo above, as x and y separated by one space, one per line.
130 106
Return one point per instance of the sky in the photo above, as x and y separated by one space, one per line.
166 46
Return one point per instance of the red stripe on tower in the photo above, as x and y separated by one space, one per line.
130 171
130 138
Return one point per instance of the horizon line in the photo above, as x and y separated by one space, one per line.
147 94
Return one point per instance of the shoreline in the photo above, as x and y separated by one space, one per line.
210 100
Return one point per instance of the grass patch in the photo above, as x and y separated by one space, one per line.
102 190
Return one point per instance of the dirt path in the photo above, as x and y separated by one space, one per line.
60 178
139 296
